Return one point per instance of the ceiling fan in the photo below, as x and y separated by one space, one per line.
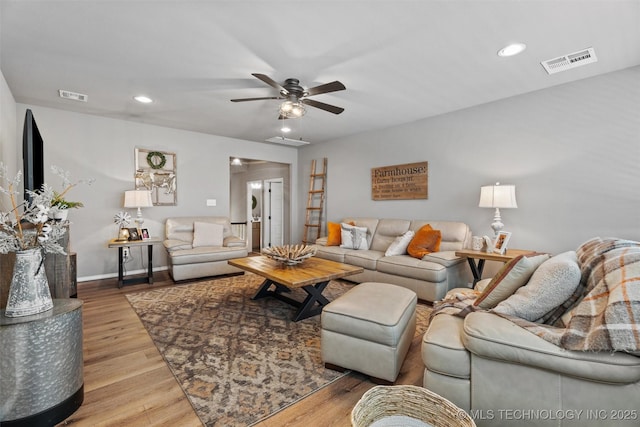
296 96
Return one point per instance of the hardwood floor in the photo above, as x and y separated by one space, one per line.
127 383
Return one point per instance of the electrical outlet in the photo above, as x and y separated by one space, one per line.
125 252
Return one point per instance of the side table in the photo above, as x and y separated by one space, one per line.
121 245
41 363
481 257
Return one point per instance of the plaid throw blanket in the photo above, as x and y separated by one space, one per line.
604 311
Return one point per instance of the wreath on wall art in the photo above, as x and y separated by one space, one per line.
156 160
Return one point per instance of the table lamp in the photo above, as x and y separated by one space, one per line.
498 196
138 199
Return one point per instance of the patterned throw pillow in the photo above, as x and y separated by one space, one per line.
514 274
354 237
400 244
425 241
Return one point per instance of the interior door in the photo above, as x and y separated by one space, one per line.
273 217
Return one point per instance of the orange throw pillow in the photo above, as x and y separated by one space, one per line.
333 234
425 241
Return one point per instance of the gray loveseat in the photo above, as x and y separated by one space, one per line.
430 277
189 262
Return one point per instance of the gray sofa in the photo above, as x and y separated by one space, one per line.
189 262
430 277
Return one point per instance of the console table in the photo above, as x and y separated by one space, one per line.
481 257
41 379
148 278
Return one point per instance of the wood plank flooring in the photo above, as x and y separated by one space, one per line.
127 383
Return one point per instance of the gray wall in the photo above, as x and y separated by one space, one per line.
572 151
96 147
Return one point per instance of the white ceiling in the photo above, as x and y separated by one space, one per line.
401 61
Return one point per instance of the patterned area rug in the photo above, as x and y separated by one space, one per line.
238 360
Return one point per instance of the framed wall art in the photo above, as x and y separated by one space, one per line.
156 171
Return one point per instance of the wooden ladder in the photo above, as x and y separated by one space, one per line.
315 202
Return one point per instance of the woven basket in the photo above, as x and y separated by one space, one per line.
411 401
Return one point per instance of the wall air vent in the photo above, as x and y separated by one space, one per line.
572 60
287 141
66 94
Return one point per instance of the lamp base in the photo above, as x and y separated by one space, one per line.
497 224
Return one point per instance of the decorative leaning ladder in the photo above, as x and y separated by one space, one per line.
315 203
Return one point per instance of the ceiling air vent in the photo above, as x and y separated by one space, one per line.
287 141
66 94
572 60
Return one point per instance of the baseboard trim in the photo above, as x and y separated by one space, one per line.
115 275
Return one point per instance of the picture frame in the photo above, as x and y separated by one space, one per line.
156 171
144 233
501 242
134 234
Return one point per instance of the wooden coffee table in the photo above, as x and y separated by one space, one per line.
312 275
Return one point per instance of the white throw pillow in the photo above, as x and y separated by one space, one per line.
399 245
513 275
353 237
207 234
550 285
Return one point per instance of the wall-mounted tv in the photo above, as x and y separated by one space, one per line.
32 155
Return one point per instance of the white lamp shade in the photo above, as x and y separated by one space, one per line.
137 199
498 196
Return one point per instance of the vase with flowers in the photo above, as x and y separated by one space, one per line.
27 230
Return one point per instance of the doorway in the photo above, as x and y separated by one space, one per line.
273 223
252 179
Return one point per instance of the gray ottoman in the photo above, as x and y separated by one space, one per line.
369 329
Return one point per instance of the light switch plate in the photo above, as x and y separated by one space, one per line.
211 202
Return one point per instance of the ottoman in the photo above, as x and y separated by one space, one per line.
369 329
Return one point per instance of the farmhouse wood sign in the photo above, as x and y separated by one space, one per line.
400 182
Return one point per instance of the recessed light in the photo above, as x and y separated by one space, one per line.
285 129
512 49
143 99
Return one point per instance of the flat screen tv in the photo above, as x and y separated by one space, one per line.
32 155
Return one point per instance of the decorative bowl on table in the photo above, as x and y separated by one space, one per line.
290 254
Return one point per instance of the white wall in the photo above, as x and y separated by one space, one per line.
96 147
572 151
8 139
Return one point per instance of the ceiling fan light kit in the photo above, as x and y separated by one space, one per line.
296 97
292 110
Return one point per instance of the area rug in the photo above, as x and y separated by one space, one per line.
238 360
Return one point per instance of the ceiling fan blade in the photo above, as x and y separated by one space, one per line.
321 105
268 80
256 99
326 88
